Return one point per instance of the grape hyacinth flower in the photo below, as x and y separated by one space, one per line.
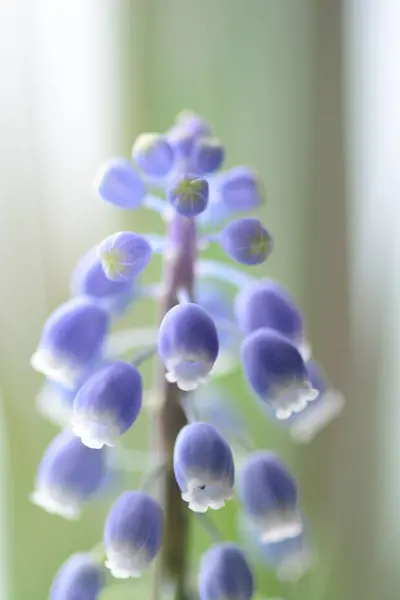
225 573
290 558
153 154
107 404
240 189
68 476
79 578
124 255
277 373
132 534
89 279
71 341
188 195
118 183
188 345
91 390
246 241
208 155
203 466
269 496
266 304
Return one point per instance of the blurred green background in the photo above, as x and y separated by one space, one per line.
308 93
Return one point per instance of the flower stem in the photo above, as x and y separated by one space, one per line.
178 274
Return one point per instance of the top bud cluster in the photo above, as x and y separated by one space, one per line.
97 397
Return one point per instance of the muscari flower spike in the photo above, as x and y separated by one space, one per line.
118 183
132 534
71 341
68 476
188 195
107 404
89 279
246 241
277 373
225 574
153 154
327 406
240 189
188 345
266 304
79 578
124 255
268 493
203 466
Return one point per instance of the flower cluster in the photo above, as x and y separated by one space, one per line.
96 396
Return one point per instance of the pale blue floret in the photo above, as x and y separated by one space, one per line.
246 241
268 493
188 195
68 476
118 183
203 466
71 341
132 534
276 372
107 404
79 578
188 345
153 154
225 574
124 255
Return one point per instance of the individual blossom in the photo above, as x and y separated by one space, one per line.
107 404
276 372
188 195
89 279
132 534
79 578
208 155
203 466
153 154
225 574
240 189
188 345
268 493
68 476
290 558
118 183
71 341
246 241
266 304
327 406
124 255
